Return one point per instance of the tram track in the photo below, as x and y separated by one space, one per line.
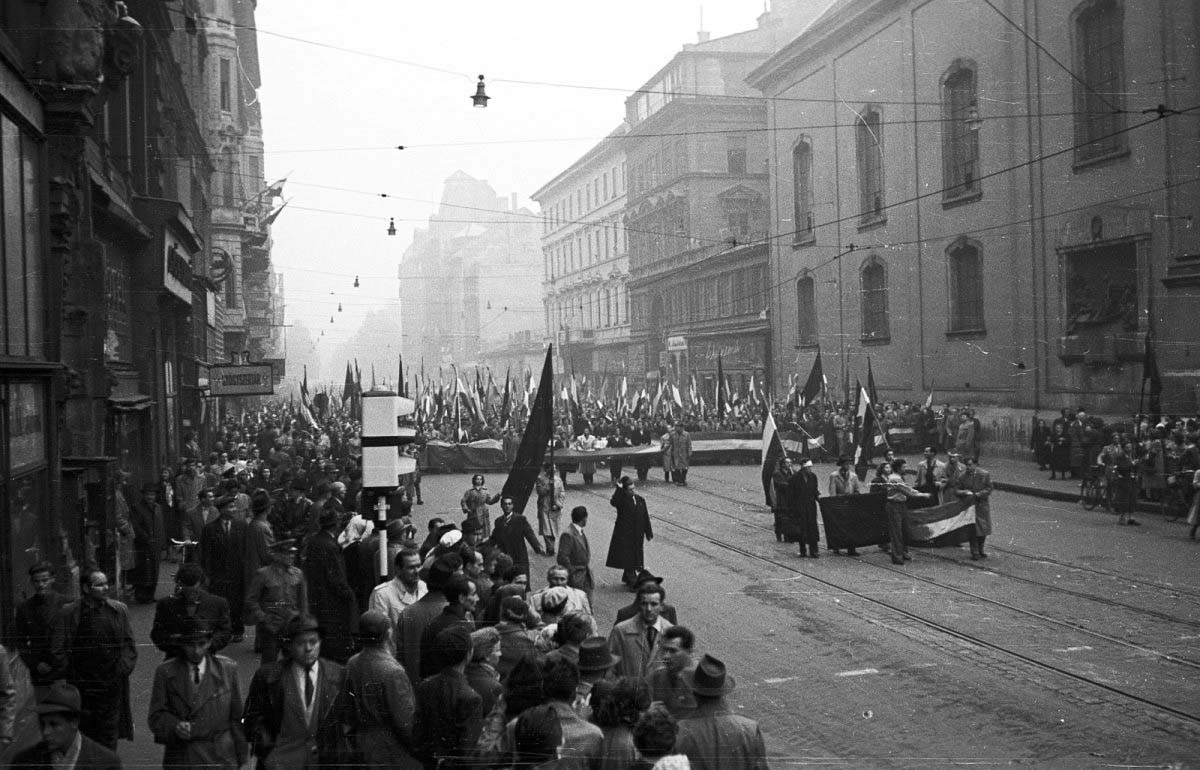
969 637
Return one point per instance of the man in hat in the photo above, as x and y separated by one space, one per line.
259 534
146 516
512 532
382 705
195 519
196 705
449 713
631 609
294 712
596 661
630 530
222 546
278 592
94 650
634 640
713 736
410 626
293 519
330 596
666 680
801 521
190 603
63 744
575 554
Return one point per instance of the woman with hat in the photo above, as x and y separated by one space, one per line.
196 705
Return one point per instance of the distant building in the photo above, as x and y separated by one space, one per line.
586 262
989 208
465 279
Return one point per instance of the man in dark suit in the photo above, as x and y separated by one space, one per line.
631 529
802 518
575 553
449 712
222 548
146 516
330 596
35 623
294 710
190 604
58 719
416 617
510 534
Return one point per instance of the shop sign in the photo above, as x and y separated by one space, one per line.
241 380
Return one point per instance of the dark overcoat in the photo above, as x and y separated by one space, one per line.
630 531
214 709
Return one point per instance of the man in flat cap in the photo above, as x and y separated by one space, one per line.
382 705
62 743
278 592
196 705
294 713
222 548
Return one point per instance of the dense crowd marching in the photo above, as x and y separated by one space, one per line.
455 659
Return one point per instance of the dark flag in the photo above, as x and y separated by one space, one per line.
348 388
1150 373
874 394
402 386
772 453
816 379
722 405
854 521
538 432
504 404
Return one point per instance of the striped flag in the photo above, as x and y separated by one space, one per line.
948 524
772 452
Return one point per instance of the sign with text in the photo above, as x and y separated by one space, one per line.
241 380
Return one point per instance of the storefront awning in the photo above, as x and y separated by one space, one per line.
130 403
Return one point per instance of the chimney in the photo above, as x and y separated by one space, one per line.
514 201
702 36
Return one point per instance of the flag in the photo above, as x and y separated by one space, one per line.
1150 373
401 386
792 394
929 398
538 433
306 411
348 387
675 396
657 398
874 394
815 382
854 521
722 392
865 419
772 452
949 524
504 404
269 219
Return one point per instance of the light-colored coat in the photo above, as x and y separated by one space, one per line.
628 640
681 450
851 484
214 709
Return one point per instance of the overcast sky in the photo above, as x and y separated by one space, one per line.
345 83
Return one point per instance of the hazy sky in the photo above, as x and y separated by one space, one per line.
344 83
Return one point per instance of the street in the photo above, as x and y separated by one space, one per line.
1073 645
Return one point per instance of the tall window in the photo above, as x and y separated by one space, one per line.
869 153
966 286
960 135
802 193
806 312
875 325
223 66
735 153
1099 65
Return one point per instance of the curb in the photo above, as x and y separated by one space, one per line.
1141 506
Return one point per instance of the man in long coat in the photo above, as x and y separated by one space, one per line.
330 596
800 523
975 488
380 702
196 706
222 546
681 454
93 648
146 516
631 529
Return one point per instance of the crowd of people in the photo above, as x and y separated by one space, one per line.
1156 460
456 657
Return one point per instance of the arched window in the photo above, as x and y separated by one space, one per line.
965 262
868 134
802 192
1099 27
806 311
875 324
960 132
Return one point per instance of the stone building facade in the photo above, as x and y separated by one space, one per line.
989 205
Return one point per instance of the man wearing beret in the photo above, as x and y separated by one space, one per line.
222 548
62 744
196 705
295 713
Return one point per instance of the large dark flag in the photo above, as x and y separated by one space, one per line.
722 393
772 452
815 383
348 388
874 394
854 521
538 432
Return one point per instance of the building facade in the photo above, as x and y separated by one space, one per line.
987 203
586 261
464 278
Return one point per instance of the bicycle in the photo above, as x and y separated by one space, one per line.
1095 489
